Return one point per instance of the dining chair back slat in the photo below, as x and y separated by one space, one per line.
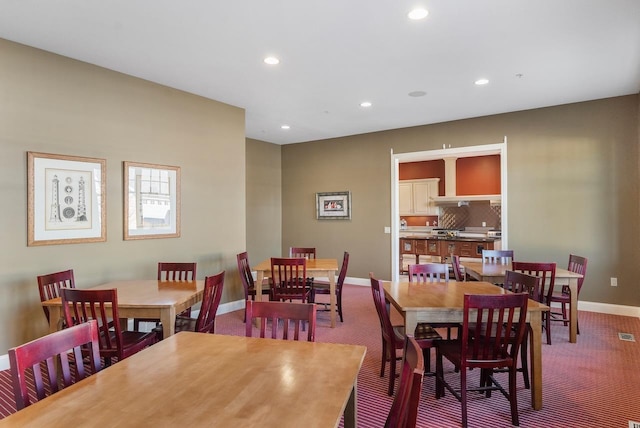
53 351
292 315
49 286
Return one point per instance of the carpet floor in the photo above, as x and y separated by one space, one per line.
593 383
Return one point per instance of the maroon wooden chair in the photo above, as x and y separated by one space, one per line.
393 337
206 321
482 349
288 279
171 271
404 410
547 274
458 274
49 286
53 351
577 264
102 305
501 257
431 273
292 315
246 277
323 287
302 252
518 282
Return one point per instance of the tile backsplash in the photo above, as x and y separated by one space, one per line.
472 215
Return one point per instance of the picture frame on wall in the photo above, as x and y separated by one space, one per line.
151 201
66 199
333 205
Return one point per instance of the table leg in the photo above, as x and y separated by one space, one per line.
351 411
573 310
332 299
168 319
410 321
55 318
535 357
258 287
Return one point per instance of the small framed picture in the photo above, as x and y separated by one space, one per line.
333 206
151 201
66 199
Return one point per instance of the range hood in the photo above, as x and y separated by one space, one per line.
450 189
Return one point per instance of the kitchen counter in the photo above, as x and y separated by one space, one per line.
452 238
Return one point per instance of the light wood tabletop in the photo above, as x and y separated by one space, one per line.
436 302
198 379
316 268
494 273
144 299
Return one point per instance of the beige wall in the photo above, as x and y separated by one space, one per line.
264 200
57 105
572 187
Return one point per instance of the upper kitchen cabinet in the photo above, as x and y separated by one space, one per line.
415 196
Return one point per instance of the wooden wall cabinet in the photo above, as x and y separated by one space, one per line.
415 196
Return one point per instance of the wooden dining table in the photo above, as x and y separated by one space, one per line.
140 298
315 268
494 273
197 379
443 302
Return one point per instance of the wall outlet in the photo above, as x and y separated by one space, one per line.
614 282
484 224
387 229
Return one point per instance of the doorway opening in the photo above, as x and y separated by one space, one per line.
458 152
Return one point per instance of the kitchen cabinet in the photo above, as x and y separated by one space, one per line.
442 248
415 196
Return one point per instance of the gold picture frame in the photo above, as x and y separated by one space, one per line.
151 201
66 199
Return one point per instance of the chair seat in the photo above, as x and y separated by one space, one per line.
185 324
561 297
134 341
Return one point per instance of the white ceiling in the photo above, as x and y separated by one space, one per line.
337 53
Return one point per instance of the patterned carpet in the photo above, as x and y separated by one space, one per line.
593 383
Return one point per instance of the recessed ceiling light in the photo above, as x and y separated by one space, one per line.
481 82
271 60
365 104
417 94
418 13
285 127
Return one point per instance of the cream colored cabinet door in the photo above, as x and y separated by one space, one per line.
415 196
405 198
423 191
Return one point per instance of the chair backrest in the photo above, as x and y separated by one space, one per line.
246 277
343 272
498 328
53 350
519 282
457 269
500 257
546 272
304 252
289 312
578 264
176 271
288 278
49 286
404 410
429 272
381 308
206 322
101 305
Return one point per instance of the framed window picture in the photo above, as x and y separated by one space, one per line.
66 199
151 201
333 206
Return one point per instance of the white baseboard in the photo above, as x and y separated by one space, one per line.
4 362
